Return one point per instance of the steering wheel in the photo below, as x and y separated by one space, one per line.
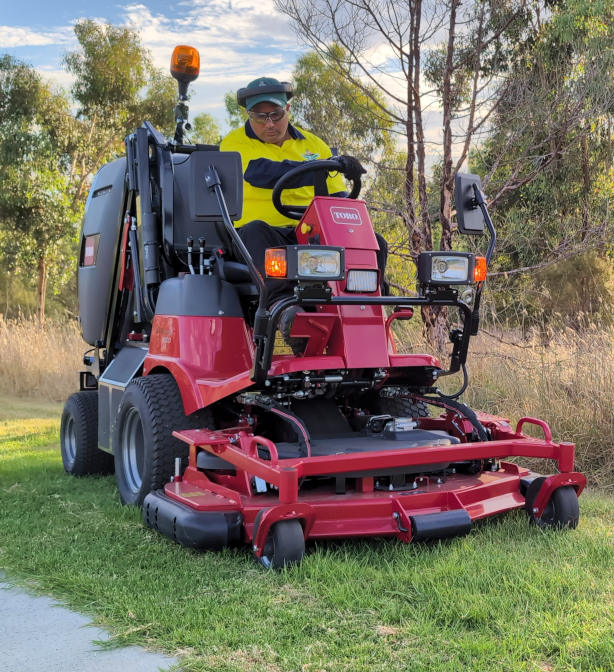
321 166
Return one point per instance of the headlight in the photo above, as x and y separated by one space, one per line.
309 263
319 263
450 268
361 281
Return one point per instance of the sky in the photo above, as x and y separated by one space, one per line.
238 40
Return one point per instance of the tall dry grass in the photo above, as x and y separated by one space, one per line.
568 383
40 362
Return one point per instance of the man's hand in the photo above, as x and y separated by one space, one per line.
352 168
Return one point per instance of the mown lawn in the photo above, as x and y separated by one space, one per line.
507 597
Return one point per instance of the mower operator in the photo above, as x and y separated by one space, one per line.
270 146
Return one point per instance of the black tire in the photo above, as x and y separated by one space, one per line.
143 444
562 510
79 436
400 407
284 546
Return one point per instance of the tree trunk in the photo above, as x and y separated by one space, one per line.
41 288
436 318
447 176
413 231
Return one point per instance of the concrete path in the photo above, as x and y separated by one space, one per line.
39 635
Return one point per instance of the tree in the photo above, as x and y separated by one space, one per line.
383 45
117 88
236 115
548 167
48 154
205 130
36 212
470 55
337 110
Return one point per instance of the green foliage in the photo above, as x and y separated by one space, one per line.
236 115
115 81
36 211
205 130
549 159
328 103
578 290
48 154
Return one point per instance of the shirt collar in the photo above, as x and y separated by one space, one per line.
295 134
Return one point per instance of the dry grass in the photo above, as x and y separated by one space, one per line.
40 362
569 383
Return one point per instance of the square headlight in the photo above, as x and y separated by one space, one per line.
446 268
309 263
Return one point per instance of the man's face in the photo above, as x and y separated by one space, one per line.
271 131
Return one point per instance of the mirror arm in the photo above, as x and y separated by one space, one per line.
481 203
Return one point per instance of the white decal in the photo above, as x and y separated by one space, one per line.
346 215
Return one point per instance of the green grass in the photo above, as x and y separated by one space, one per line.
506 598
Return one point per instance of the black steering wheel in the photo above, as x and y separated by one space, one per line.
321 167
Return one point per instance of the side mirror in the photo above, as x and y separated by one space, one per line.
468 213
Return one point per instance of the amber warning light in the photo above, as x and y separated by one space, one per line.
185 63
275 264
479 270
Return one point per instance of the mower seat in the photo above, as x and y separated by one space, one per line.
236 274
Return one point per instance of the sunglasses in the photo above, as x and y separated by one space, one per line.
263 117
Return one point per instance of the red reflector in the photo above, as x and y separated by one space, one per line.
90 250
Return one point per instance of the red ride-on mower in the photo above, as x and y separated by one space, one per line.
221 440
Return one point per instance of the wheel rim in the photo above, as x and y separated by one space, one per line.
133 450
70 439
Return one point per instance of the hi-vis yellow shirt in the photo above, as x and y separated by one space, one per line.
264 163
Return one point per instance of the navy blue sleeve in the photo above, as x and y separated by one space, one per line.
264 173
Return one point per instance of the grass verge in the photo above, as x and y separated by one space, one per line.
506 598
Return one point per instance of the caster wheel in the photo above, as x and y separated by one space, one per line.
284 546
561 512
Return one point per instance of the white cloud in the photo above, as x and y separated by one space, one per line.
19 36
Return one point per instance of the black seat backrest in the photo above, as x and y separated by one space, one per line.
196 212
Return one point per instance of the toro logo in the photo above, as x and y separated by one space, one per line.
346 216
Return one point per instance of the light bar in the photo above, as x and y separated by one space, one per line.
361 281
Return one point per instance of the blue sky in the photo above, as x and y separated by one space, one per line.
238 40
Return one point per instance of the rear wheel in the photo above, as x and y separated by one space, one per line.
562 510
79 436
143 444
284 546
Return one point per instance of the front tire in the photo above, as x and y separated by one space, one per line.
79 436
284 546
561 512
143 444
